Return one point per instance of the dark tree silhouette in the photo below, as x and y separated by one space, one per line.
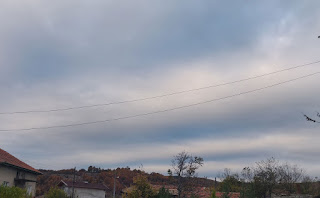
184 168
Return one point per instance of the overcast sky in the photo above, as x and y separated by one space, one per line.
60 54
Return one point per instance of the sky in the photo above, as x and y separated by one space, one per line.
62 54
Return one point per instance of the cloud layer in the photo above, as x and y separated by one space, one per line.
63 54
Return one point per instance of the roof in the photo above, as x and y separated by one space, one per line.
9 160
83 185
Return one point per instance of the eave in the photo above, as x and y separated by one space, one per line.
20 168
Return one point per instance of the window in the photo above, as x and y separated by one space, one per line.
5 183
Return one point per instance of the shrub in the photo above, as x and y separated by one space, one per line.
13 192
163 193
213 194
56 193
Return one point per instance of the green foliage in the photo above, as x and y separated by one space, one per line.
230 184
248 190
141 189
213 194
13 192
56 193
163 193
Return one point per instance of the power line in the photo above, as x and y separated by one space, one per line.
158 96
161 111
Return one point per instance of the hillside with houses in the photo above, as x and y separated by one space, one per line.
125 177
268 178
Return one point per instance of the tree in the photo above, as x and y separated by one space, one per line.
230 183
248 188
163 193
184 167
310 186
266 176
141 188
56 193
289 176
307 185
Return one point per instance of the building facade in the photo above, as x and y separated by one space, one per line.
14 172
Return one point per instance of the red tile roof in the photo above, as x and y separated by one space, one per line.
7 159
83 185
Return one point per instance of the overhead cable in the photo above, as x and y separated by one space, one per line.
157 96
161 111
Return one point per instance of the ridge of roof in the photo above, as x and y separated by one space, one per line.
9 160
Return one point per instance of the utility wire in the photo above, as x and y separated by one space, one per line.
161 111
158 96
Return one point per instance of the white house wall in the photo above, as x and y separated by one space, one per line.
85 193
7 174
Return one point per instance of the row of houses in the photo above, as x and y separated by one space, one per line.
14 172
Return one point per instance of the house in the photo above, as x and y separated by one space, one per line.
83 189
14 172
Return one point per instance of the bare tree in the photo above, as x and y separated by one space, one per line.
307 185
289 176
266 174
246 175
267 177
184 167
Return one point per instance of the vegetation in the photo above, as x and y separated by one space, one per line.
163 193
13 192
141 188
184 168
51 178
213 194
56 193
267 177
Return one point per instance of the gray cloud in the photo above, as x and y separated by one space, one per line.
58 54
